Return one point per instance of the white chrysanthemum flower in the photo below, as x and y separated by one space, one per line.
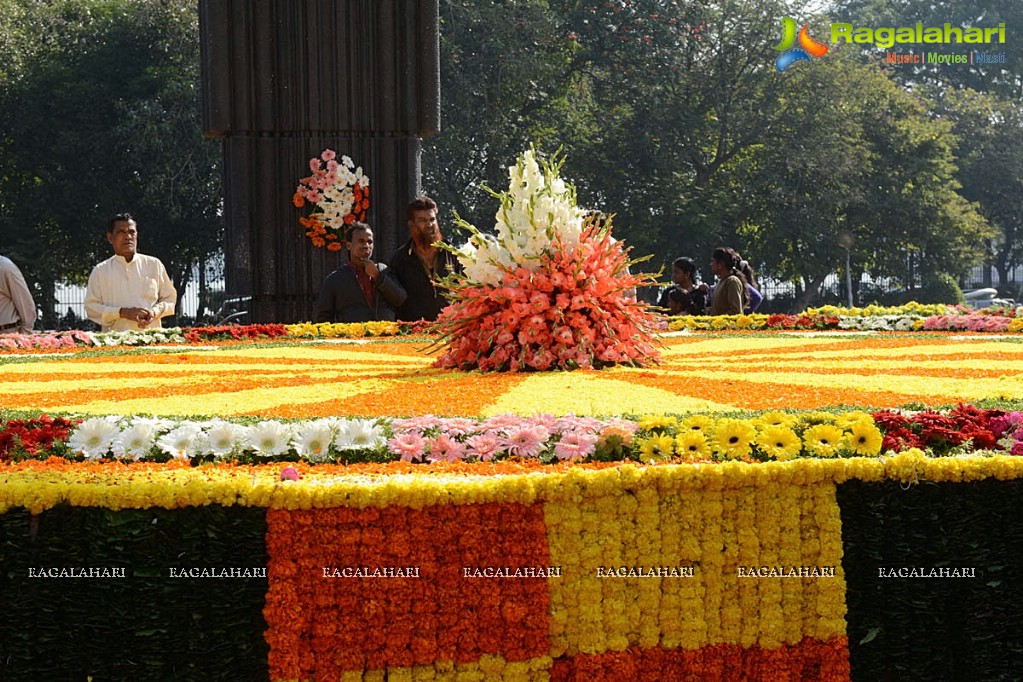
183 442
135 441
224 437
359 433
93 437
313 441
269 438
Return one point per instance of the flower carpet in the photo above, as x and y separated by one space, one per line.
396 378
600 571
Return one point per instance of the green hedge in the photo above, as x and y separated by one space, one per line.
934 628
147 625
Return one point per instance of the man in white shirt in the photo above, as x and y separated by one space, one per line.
17 309
130 290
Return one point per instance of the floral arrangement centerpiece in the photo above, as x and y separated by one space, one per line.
551 290
341 193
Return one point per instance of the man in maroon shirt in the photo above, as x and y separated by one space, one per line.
360 290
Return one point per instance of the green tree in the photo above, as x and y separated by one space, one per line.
990 156
859 162
504 68
102 117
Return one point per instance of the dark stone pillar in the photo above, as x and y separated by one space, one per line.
282 81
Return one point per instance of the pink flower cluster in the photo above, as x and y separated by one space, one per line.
437 439
1008 429
49 341
571 312
974 322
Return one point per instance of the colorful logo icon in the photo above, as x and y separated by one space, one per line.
808 47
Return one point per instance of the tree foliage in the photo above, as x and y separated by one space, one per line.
102 116
674 118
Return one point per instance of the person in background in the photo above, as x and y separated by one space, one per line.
729 296
129 290
360 290
684 297
17 309
752 287
419 263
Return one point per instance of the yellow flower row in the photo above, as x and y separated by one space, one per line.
911 308
717 322
39 486
342 330
773 435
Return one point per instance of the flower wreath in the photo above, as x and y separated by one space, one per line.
340 191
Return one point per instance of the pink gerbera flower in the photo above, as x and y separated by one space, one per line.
484 445
526 441
502 421
418 424
575 445
409 445
458 426
445 448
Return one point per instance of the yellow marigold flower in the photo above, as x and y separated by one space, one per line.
744 321
721 322
823 440
698 422
779 442
734 437
1016 325
656 448
692 445
775 418
654 422
864 438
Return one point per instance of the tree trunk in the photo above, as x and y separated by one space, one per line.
47 303
810 294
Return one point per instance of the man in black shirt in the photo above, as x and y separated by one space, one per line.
418 264
360 290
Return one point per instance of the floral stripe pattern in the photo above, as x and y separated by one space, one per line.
569 593
391 378
740 528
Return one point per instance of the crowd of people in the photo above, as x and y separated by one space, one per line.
131 290
736 291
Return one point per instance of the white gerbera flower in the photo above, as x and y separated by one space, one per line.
224 437
94 436
313 441
135 441
157 423
269 438
183 442
359 433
